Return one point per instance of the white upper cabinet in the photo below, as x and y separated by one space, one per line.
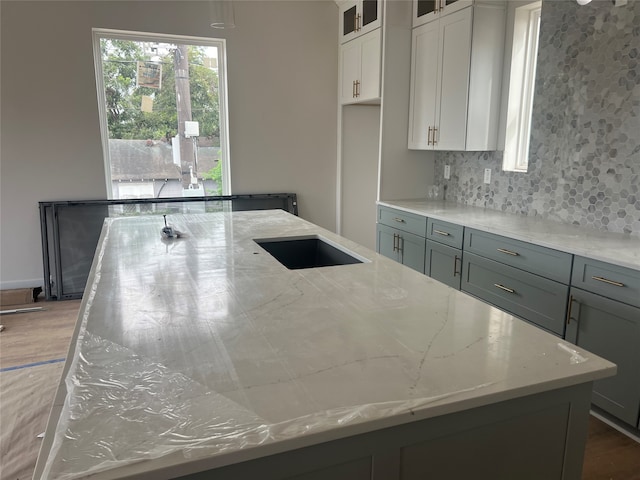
358 17
456 71
425 11
360 69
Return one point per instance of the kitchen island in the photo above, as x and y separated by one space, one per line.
206 353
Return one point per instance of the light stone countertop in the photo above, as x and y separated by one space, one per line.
206 349
614 248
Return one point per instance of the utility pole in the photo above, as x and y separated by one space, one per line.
183 103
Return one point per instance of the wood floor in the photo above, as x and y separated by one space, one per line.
33 345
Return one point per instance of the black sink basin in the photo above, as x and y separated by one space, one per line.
306 252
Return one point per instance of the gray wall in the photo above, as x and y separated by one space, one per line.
282 75
585 148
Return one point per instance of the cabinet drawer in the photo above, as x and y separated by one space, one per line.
408 222
445 232
542 261
531 297
612 281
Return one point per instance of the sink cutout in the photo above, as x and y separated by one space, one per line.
308 252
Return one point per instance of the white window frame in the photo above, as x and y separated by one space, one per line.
220 43
526 29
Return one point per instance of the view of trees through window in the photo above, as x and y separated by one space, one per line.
162 109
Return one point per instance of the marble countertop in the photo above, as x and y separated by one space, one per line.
615 248
204 351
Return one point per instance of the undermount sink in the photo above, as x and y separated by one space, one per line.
308 252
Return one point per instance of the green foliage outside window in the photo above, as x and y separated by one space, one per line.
125 118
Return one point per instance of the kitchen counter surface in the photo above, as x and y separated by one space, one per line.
614 248
205 351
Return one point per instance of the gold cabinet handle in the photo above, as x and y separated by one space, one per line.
569 309
455 265
610 282
508 252
358 27
434 141
398 219
353 89
429 136
440 232
502 287
357 88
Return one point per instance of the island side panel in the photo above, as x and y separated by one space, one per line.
533 437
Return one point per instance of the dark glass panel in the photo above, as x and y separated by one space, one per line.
425 7
349 21
369 11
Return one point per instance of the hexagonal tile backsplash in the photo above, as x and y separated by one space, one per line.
584 165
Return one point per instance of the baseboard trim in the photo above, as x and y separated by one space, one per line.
13 284
625 430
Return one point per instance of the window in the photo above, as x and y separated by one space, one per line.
526 29
162 101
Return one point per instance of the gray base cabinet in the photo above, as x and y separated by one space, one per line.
401 237
444 264
403 247
604 318
536 299
611 330
526 280
594 304
444 252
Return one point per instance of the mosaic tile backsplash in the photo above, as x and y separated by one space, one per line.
584 165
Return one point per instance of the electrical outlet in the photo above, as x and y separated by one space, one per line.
487 175
447 172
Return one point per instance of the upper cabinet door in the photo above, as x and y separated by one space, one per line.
370 66
456 69
350 61
348 19
424 11
440 64
425 53
453 87
360 69
358 17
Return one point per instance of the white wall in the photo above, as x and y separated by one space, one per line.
359 173
282 71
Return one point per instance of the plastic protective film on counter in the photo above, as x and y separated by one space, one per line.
203 345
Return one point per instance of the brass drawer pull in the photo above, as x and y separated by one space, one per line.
610 282
508 252
397 242
502 287
455 265
440 232
397 219
569 309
